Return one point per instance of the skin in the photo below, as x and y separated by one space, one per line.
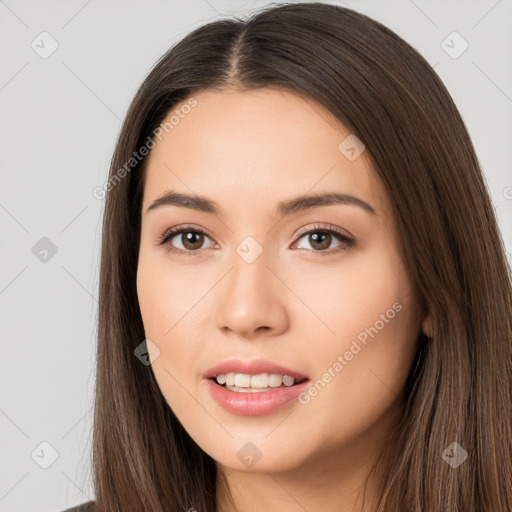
247 151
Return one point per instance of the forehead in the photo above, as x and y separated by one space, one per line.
256 147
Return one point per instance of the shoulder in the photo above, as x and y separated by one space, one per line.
84 507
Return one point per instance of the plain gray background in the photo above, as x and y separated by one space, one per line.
60 115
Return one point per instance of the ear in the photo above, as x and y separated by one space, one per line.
426 326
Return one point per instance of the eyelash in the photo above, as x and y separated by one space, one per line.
347 243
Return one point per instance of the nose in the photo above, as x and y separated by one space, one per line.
250 300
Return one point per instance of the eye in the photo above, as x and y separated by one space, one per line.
321 237
191 239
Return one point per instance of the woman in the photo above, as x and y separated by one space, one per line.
304 298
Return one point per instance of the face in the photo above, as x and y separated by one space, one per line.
316 288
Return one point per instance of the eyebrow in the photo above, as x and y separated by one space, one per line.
300 203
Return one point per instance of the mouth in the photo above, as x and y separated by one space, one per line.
253 376
260 383
257 394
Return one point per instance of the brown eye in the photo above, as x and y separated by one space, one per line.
320 241
321 238
184 240
192 240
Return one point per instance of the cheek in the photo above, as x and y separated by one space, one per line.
360 369
351 295
360 377
162 305
168 302
165 296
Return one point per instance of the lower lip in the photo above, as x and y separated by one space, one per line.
254 404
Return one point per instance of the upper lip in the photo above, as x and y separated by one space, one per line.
252 367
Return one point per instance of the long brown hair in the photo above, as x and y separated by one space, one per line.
460 385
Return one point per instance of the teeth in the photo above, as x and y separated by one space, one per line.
288 381
242 380
260 381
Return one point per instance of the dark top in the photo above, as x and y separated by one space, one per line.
84 507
